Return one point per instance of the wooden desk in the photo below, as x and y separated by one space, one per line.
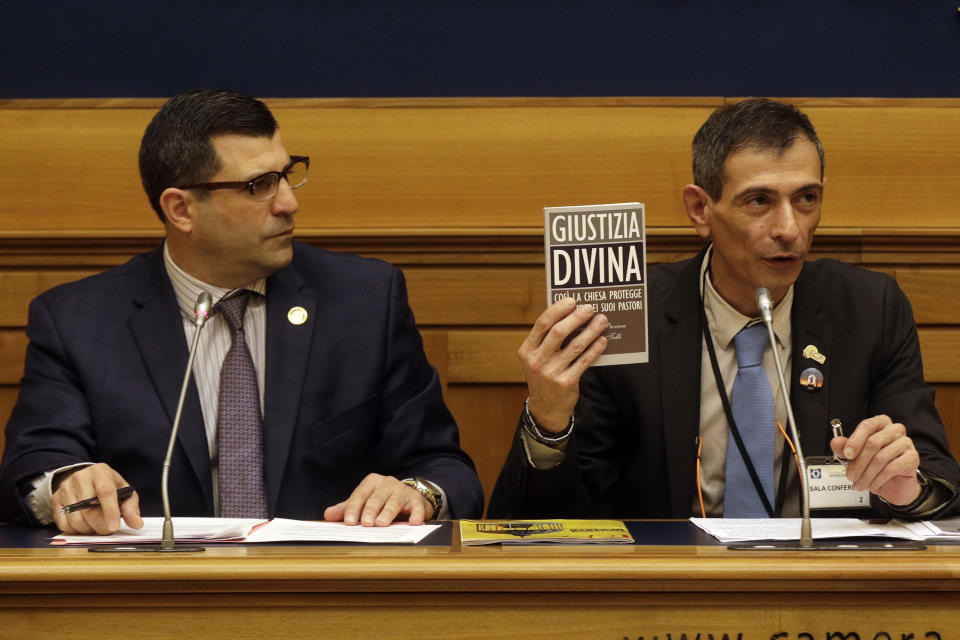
440 592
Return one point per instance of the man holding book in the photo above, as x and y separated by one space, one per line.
699 430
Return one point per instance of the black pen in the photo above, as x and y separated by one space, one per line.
123 493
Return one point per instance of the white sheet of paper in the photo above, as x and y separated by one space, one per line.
945 529
239 530
283 530
748 529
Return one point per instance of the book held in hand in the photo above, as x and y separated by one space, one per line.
596 254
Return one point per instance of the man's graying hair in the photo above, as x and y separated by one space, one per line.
176 149
758 123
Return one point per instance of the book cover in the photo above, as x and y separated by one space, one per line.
474 532
596 254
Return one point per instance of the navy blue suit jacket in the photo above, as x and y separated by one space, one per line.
347 393
633 453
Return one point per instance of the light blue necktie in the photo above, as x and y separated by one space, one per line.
752 406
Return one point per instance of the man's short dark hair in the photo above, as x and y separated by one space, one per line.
176 148
759 123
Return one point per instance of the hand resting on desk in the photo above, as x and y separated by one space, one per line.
98 480
377 501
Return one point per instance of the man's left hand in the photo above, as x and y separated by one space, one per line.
377 501
882 458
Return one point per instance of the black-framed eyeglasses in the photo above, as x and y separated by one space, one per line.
265 186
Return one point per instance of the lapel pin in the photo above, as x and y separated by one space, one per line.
297 315
814 354
811 379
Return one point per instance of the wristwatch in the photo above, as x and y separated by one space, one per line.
429 492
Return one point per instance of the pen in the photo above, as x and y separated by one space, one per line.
837 427
123 493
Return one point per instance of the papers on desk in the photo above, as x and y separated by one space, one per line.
560 531
946 529
750 529
239 530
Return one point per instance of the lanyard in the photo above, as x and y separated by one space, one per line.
721 390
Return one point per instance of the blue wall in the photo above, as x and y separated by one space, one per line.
366 48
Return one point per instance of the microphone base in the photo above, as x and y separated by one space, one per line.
144 547
794 545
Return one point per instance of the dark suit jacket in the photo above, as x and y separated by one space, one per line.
633 451
348 392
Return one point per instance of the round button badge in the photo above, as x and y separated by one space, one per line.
811 379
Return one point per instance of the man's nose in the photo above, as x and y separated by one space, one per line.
284 201
785 225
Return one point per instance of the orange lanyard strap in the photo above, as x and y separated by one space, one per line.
796 459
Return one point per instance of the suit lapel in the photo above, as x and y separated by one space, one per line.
288 349
810 408
680 345
158 331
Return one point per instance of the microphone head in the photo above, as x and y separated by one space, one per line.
764 303
201 310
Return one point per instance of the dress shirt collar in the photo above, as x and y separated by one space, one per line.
725 322
187 288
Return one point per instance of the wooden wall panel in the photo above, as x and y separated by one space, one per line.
941 353
490 166
948 404
8 397
487 415
13 347
889 165
478 163
72 169
17 288
932 292
485 296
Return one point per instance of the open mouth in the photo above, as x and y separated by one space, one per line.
781 262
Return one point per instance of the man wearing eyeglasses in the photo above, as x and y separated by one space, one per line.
311 395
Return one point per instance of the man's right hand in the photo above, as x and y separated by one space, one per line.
101 481
553 373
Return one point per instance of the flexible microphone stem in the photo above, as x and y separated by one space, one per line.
765 304
201 311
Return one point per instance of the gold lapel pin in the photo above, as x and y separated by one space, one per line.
811 352
297 315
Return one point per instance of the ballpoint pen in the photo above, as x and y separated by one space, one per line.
123 493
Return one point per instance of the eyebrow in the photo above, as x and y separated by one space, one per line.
813 186
263 173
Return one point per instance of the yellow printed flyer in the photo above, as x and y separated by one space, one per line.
473 532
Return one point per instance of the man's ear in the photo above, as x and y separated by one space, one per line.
176 208
696 201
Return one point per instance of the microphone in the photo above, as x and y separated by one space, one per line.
201 311
765 304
